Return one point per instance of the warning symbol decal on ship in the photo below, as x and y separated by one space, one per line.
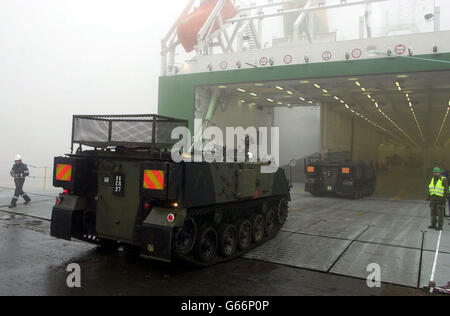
356 53
263 61
288 59
223 65
400 49
326 55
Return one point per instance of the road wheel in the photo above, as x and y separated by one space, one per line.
245 235
282 212
227 240
206 245
258 228
270 221
185 237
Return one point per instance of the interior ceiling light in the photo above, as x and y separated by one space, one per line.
270 100
253 94
222 87
443 124
370 121
393 123
279 88
241 90
304 81
303 99
290 92
358 84
259 84
412 110
317 86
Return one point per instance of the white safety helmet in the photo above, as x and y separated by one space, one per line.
18 157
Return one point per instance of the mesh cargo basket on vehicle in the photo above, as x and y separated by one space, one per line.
124 130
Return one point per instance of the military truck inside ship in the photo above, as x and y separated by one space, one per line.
351 179
122 186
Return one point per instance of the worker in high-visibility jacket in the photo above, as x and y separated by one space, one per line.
438 194
19 172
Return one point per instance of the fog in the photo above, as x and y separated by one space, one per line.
65 57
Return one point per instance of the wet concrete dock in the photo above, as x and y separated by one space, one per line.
324 249
343 237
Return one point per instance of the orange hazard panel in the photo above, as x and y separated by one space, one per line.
310 169
154 180
64 172
346 170
190 26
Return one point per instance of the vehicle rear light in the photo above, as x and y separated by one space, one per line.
171 218
147 206
66 191
346 170
311 169
58 201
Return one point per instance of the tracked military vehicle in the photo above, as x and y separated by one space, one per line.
125 188
351 179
